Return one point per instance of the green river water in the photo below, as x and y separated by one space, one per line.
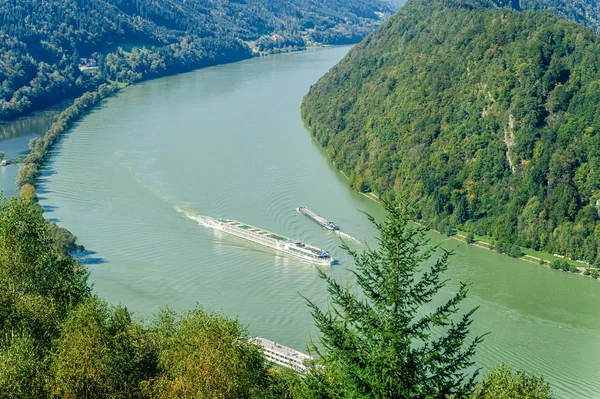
14 139
137 179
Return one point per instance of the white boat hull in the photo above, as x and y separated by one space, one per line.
287 248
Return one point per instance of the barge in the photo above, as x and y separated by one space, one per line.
318 218
280 243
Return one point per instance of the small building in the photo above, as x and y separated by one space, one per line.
88 63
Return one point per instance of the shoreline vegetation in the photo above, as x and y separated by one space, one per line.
40 147
559 262
553 261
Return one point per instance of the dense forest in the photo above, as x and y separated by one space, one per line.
487 118
59 340
46 47
582 11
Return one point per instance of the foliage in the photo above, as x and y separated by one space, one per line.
284 383
100 353
470 238
42 42
584 12
206 355
487 118
58 340
563 265
28 193
502 383
38 287
35 280
384 342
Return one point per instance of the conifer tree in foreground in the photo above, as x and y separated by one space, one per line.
384 342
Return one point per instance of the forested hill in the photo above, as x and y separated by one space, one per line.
488 117
42 42
586 12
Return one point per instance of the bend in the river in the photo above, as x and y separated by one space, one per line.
138 177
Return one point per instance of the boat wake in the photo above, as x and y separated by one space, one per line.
346 236
202 220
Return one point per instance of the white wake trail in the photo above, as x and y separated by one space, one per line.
347 236
202 220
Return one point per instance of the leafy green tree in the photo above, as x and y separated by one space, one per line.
206 355
470 238
83 365
502 383
284 383
384 342
100 353
22 370
37 284
515 251
28 193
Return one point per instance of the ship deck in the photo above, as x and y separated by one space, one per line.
297 245
254 229
283 355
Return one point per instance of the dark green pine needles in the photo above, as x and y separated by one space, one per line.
385 342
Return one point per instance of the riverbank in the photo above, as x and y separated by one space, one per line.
40 148
527 254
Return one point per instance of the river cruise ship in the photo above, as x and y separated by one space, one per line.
318 218
282 355
280 243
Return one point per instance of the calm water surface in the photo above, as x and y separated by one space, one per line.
138 177
14 140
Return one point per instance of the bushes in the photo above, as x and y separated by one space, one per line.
509 249
563 265
470 238
502 383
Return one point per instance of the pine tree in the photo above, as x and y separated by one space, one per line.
384 342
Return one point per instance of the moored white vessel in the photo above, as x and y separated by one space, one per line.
280 243
283 355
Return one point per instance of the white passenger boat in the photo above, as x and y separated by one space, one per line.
280 243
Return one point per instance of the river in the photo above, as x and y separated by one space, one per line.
138 177
14 140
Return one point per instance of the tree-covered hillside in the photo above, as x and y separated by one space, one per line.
586 12
42 42
488 117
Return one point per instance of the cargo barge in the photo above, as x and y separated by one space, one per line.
318 218
280 243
